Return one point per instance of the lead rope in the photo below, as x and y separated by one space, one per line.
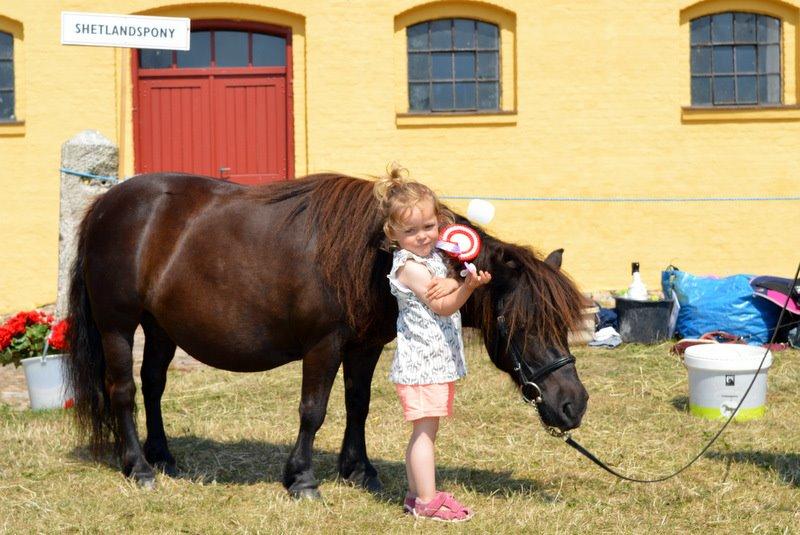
569 440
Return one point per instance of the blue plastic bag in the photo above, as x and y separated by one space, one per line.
727 304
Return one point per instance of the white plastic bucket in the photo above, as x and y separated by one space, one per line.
719 375
48 387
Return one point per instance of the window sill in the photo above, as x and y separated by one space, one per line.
739 114
421 120
12 128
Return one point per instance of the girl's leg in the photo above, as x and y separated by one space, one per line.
420 459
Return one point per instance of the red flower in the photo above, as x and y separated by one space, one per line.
58 336
16 324
23 336
5 337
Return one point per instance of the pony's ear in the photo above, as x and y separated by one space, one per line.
554 258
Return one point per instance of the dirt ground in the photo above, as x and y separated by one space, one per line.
14 390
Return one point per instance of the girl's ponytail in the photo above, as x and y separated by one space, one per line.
393 182
396 194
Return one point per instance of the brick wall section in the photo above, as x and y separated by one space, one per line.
600 88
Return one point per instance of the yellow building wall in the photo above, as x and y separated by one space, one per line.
595 104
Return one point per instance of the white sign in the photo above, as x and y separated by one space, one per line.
126 31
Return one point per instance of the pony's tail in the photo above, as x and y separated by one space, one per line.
86 366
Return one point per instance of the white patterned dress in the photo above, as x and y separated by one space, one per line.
429 346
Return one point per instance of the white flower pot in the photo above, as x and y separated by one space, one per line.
48 387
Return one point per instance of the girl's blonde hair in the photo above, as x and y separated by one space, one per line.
396 195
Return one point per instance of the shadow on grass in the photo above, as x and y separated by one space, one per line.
786 465
680 403
248 462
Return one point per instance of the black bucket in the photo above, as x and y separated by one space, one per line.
644 322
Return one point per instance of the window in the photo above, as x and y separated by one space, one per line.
453 65
7 77
735 60
223 48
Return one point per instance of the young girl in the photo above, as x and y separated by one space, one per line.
430 353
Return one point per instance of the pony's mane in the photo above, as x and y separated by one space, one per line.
540 300
343 215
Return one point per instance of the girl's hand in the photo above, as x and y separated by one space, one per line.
475 280
439 287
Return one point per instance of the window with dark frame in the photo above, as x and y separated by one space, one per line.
736 60
7 77
220 48
453 66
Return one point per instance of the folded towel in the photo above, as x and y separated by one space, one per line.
606 337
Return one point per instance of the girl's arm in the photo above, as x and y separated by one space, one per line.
440 287
417 277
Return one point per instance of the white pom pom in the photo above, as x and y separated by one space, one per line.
480 211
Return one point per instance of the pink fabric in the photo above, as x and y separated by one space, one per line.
423 401
779 299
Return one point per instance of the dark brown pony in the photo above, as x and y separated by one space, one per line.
248 279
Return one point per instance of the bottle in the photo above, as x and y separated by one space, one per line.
637 290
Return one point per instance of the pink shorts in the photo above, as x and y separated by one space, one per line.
423 401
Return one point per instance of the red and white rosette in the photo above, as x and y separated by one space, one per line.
461 242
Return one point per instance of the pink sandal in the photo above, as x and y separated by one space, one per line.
443 508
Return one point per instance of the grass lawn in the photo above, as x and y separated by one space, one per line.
231 434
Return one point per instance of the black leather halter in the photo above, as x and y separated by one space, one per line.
528 377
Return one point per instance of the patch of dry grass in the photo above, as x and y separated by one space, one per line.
231 434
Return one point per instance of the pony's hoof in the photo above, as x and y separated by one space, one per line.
372 484
168 469
305 494
146 482
142 473
359 478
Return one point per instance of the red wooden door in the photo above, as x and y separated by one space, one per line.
247 113
175 124
220 109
